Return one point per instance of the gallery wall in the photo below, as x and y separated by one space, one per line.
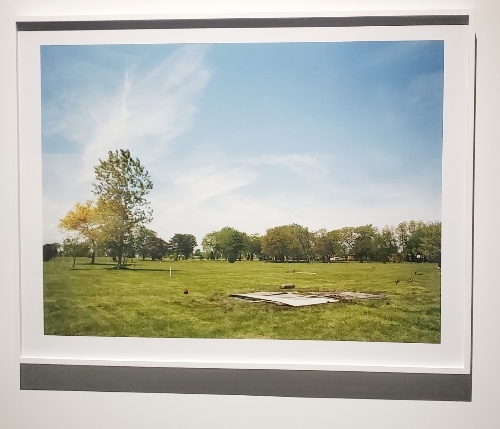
58 410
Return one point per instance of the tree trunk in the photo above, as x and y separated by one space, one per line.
119 259
92 260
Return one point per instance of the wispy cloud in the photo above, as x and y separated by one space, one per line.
390 53
307 165
150 109
211 181
426 91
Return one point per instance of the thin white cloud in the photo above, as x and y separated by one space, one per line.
307 165
210 181
426 91
390 53
149 110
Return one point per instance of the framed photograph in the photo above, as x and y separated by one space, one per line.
258 206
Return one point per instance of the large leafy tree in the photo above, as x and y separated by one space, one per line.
211 245
232 242
430 245
415 235
364 242
121 186
159 249
347 236
146 243
145 240
303 240
336 239
385 244
323 247
229 243
278 243
183 244
50 251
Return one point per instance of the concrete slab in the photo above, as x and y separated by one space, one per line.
287 298
296 299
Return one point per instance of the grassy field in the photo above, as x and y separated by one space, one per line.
144 301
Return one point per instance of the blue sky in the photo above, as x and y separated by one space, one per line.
250 135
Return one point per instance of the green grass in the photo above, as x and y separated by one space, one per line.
144 301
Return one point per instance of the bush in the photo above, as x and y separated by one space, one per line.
231 258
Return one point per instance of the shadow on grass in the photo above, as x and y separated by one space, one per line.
98 264
139 269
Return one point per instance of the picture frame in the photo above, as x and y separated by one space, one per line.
248 367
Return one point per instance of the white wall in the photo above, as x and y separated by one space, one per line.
31 409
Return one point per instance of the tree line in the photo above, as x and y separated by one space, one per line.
114 225
413 241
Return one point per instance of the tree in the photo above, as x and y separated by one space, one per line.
50 251
402 239
430 245
323 247
145 241
159 249
74 247
84 220
234 244
364 242
231 243
253 245
121 186
337 242
228 242
183 244
278 243
211 245
197 254
304 241
414 240
347 238
385 244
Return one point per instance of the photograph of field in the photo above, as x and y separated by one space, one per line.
259 190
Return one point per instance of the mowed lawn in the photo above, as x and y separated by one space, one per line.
145 301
